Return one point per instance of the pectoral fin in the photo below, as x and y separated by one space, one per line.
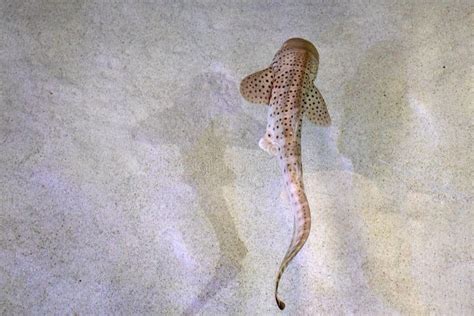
314 107
257 88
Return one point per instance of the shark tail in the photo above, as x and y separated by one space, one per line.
301 228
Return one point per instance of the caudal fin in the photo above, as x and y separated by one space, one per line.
301 228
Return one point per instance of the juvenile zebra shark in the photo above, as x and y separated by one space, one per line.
287 87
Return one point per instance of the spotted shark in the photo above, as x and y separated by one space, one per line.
287 87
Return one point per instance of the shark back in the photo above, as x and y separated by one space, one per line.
287 87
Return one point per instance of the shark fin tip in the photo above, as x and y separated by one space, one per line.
280 304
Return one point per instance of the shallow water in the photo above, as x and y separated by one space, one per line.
131 181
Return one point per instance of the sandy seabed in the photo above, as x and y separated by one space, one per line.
131 181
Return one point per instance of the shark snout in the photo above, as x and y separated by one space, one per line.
300 43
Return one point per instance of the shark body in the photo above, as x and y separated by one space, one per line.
287 87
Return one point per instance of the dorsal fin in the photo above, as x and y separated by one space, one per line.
257 88
314 106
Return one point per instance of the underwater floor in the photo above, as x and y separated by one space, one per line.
131 181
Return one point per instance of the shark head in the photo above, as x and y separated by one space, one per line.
285 56
301 44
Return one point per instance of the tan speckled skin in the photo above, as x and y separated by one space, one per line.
287 87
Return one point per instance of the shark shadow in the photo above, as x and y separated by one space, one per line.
375 125
205 119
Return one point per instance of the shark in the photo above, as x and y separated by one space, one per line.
287 88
